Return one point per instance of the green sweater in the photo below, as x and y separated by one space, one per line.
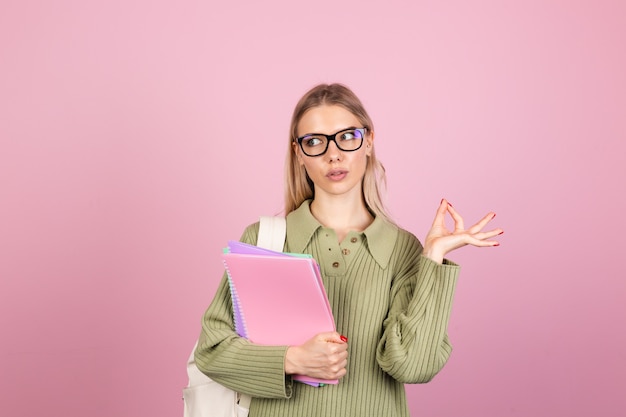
391 303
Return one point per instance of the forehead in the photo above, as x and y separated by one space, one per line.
326 119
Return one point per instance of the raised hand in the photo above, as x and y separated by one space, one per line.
441 241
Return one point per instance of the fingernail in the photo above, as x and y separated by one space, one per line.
497 244
494 215
343 339
501 232
450 204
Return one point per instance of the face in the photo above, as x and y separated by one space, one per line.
336 172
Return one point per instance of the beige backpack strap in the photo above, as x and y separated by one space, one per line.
272 233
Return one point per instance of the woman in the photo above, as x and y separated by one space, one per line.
391 297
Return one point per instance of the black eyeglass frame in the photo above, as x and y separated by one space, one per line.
333 138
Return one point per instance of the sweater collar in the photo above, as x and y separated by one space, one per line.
380 236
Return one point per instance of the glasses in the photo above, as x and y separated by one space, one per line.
347 140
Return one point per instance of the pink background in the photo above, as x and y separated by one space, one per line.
138 136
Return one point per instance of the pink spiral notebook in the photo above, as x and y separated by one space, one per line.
278 299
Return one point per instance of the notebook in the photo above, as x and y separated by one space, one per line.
278 298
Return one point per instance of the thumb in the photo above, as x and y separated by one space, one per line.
441 212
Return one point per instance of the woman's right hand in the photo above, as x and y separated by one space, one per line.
324 356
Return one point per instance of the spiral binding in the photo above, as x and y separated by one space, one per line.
238 317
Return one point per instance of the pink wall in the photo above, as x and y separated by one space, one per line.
127 159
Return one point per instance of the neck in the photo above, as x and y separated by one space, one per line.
341 214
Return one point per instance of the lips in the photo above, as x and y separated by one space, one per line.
337 174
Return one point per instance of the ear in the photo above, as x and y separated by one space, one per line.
297 152
369 143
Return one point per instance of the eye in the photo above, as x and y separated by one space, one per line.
312 141
350 135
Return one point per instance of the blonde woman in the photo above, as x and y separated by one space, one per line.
391 297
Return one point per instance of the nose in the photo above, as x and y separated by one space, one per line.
333 151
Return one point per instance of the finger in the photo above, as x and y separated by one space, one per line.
441 213
487 235
481 243
333 337
482 223
459 224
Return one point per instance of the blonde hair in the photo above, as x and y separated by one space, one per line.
298 185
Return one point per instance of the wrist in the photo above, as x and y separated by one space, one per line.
433 255
290 360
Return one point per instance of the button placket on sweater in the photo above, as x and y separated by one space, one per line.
338 255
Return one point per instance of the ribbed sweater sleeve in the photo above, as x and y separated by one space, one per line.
415 346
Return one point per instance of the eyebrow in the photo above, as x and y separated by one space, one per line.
331 134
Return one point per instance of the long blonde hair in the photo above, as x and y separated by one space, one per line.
298 185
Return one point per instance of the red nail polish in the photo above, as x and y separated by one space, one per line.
501 232
497 244
343 339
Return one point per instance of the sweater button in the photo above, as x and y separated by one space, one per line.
353 240
346 251
335 264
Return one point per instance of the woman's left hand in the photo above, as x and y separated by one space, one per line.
441 241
